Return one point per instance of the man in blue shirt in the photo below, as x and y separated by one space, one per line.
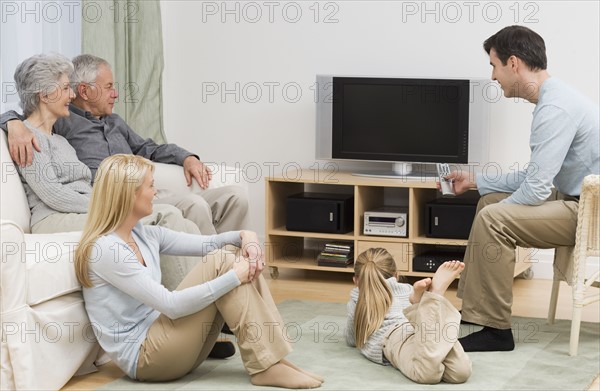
522 209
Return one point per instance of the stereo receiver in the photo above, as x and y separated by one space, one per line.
387 221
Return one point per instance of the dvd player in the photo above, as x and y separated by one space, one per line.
386 221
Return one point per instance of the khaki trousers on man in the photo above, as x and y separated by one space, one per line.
174 348
214 211
173 268
426 350
485 285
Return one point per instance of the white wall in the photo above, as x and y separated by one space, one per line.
33 27
207 48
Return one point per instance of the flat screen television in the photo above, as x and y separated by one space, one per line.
407 121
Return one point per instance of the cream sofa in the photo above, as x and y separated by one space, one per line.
46 336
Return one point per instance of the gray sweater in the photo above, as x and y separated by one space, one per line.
56 182
565 147
126 297
373 349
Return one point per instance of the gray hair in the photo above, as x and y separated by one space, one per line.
86 69
39 74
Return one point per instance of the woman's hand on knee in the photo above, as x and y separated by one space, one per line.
241 266
252 250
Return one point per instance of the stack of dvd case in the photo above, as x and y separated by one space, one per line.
337 254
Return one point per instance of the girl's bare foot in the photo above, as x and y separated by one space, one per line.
292 365
281 375
445 274
418 288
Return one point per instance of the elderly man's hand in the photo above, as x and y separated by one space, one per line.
194 168
21 142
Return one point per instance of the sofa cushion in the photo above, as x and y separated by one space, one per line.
50 260
13 202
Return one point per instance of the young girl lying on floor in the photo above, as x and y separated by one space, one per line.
413 329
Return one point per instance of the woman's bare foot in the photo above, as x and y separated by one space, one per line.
445 274
281 375
292 365
418 288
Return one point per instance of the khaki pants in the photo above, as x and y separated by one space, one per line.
173 268
427 350
60 222
212 210
173 348
485 285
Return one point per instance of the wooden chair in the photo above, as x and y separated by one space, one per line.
587 244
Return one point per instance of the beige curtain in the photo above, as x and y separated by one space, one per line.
128 34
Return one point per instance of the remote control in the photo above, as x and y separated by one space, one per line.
447 185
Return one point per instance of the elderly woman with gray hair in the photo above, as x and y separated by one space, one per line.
56 182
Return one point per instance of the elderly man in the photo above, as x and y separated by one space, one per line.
96 133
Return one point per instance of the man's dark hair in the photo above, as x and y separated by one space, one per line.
520 42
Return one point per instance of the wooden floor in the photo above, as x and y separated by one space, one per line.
531 299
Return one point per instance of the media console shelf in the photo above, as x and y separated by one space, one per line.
299 250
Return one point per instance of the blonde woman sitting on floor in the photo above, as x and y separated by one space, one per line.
154 334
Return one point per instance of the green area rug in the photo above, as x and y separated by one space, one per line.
540 360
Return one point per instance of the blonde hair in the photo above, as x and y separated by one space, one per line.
117 180
371 269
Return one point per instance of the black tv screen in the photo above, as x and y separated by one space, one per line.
400 120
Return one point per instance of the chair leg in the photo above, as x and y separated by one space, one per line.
575 325
553 301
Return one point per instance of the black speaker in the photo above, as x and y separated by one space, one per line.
431 260
450 218
320 212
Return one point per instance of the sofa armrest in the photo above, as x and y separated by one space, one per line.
13 291
13 270
45 332
50 262
170 180
35 268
